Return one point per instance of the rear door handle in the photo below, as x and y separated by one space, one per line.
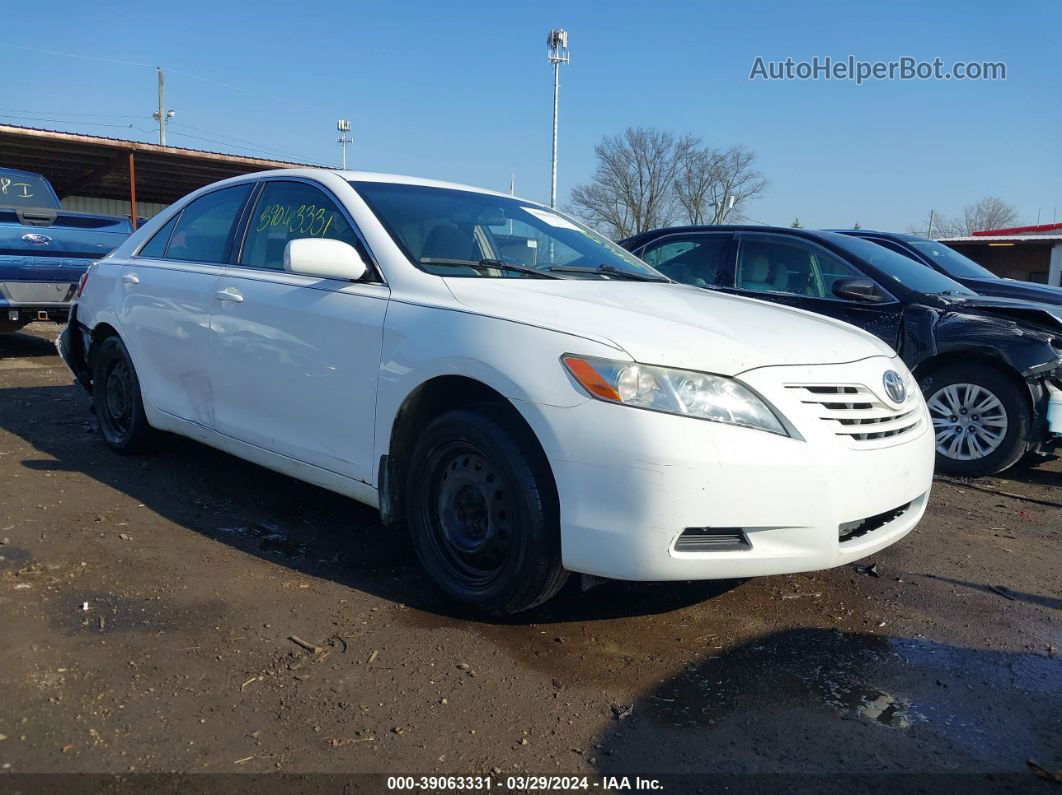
229 294
130 278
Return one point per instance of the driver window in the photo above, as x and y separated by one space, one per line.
287 211
790 267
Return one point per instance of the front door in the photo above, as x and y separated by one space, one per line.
798 272
295 359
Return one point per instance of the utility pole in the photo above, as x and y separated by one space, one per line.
162 115
344 138
557 41
929 232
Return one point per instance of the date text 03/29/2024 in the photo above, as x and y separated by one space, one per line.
522 783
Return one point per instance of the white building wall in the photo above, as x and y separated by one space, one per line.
92 204
1054 275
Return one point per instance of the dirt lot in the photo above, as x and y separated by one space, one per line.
148 607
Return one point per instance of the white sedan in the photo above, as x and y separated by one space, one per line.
522 395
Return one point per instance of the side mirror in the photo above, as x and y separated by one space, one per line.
324 257
857 290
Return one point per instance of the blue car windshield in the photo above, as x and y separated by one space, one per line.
453 232
912 275
951 261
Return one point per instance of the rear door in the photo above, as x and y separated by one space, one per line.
798 272
295 359
166 293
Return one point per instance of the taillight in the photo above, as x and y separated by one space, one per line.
81 283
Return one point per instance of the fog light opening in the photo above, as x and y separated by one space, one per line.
712 539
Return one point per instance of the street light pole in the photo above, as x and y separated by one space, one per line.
558 54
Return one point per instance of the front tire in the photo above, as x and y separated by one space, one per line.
483 511
117 400
981 419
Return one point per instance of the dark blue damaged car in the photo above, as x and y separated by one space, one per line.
990 367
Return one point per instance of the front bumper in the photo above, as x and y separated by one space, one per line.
631 482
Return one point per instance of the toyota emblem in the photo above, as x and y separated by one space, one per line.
894 386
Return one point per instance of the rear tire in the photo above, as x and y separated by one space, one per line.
483 512
117 400
981 419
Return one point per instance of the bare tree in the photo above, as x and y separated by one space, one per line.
713 184
990 212
737 177
632 188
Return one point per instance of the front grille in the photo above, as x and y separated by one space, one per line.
860 527
854 412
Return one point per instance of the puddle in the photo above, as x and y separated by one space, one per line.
271 539
97 613
13 558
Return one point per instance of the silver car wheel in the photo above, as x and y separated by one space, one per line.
969 421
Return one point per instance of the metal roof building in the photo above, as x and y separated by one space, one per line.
1029 253
117 176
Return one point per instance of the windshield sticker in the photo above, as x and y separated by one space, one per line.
305 219
20 189
552 219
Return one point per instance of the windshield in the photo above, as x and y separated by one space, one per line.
18 189
951 261
449 232
912 275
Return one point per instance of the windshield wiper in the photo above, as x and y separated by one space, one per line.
608 270
489 263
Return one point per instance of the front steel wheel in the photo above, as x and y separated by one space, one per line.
483 512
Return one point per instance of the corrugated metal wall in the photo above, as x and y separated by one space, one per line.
91 204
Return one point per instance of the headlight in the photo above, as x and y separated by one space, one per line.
686 392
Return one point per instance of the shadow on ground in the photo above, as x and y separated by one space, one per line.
813 709
21 346
284 520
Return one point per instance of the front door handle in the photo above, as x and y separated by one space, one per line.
229 294
130 278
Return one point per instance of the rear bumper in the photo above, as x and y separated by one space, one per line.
72 347
26 301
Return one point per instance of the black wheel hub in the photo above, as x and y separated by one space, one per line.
119 391
470 520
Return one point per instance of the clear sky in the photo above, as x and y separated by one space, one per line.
462 90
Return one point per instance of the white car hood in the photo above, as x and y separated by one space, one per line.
672 325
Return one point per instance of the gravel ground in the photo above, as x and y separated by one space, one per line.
157 612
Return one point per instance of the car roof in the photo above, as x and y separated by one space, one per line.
811 234
874 233
20 172
367 176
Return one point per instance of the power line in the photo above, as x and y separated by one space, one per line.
71 122
75 113
259 146
256 150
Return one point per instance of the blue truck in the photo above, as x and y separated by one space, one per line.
44 249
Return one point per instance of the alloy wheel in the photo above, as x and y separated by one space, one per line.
969 421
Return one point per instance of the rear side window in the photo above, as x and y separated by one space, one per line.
698 259
204 231
289 211
156 247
